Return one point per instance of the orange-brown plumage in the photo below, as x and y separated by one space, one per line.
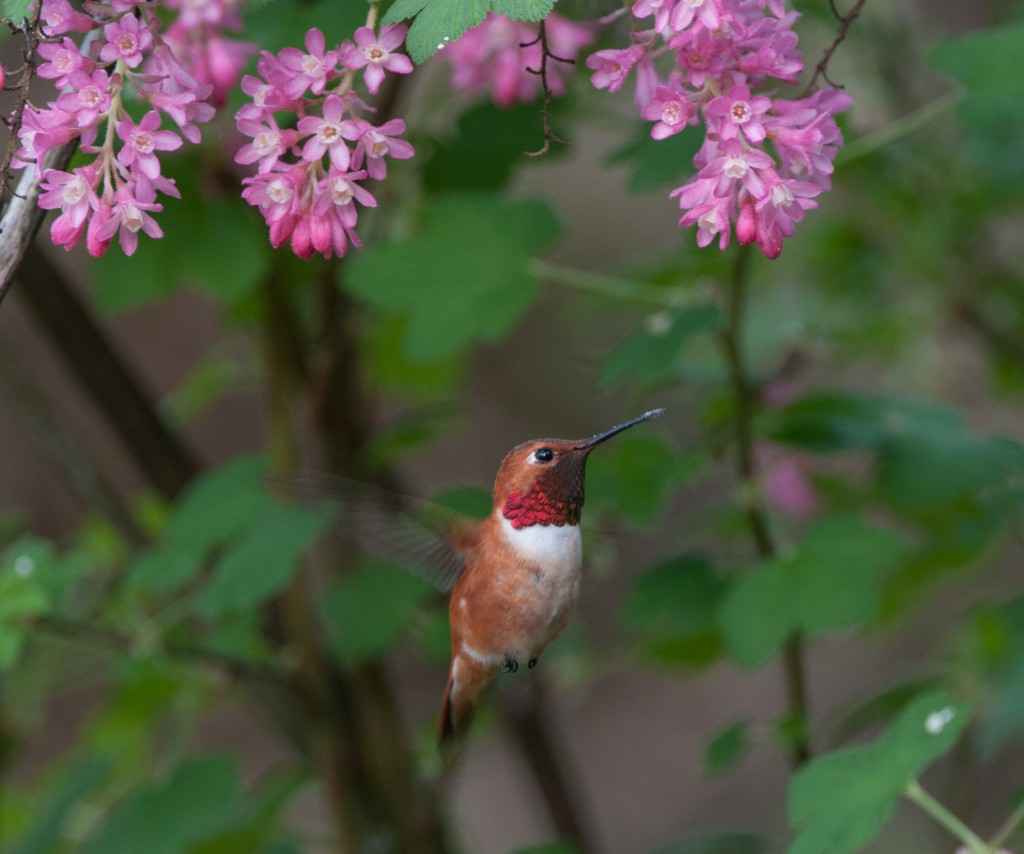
521 574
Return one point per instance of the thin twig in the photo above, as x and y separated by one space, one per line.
821 69
30 29
545 111
523 711
745 400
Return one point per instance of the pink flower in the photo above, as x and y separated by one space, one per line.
373 144
326 135
736 164
661 9
708 13
40 131
711 218
127 38
731 47
59 17
128 216
209 57
787 484
186 108
210 13
142 141
66 232
492 56
700 55
340 191
268 144
64 59
670 111
74 193
610 67
739 111
377 55
298 71
780 209
88 99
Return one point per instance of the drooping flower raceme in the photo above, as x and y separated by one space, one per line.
129 57
503 56
309 177
764 159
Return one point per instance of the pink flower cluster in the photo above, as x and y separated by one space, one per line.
117 192
196 36
498 56
309 176
723 52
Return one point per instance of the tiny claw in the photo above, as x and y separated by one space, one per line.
511 665
532 663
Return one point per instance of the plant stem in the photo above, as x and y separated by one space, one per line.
862 146
606 286
745 402
161 454
943 816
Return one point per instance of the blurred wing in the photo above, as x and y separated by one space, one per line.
416 535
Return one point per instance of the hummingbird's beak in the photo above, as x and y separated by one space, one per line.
607 434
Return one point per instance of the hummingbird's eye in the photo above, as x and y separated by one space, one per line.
544 455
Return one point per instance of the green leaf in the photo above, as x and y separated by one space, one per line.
842 799
928 460
456 164
262 560
655 163
831 581
727 748
23 592
385 356
679 596
217 504
74 786
631 476
199 800
652 354
367 610
197 228
438 22
979 61
17 10
157 570
827 422
465 277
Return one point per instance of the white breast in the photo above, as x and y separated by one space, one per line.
558 549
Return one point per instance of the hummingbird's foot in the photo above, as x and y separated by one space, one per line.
532 663
511 665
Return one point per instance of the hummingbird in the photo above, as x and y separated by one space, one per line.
514 576
518 570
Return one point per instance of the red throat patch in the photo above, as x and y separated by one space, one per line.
537 507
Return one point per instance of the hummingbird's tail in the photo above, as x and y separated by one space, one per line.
467 680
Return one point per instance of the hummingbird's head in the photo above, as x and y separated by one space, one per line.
540 482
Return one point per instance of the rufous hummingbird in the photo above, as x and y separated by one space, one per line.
514 576
518 577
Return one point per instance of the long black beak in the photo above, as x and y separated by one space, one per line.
607 434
